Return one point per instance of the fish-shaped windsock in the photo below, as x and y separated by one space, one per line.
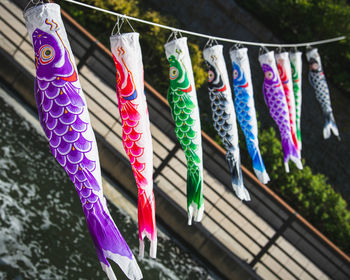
276 101
137 139
318 81
296 65
245 109
224 116
183 103
64 117
285 73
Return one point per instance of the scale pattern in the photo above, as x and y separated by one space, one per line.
297 97
318 81
136 133
288 92
64 118
182 108
276 101
244 105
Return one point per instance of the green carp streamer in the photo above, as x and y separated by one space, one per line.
182 109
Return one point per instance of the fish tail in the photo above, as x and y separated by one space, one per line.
147 222
195 206
234 163
290 153
258 164
109 243
330 126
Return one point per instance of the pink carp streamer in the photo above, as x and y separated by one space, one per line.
64 117
137 138
285 73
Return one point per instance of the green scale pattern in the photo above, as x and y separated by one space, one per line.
182 109
296 89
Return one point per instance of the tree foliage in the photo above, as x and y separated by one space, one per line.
300 20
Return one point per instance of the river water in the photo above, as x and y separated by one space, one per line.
43 234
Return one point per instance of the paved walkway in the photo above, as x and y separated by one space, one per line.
213 201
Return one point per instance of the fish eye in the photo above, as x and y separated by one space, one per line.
173 73
211 76
235 74
269 75
46 54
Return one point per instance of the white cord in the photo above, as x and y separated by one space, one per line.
205 35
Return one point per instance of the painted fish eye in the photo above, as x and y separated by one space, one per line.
211 76
314 66
46 54
269 75
173 73
235 74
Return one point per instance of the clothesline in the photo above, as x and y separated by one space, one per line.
206 35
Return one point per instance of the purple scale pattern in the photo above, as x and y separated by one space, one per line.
60 107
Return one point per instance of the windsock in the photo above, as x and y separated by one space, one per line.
183 103
137 138
64 117
245 109
223 113
276 101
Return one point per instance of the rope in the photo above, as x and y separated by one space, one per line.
205 35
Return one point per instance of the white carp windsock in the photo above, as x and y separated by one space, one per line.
223 113
64 117
137 139
296 65
318 81
285 73
183 103
276 101
245 109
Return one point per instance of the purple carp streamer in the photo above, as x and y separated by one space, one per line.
64 117
224 117
277 103
137 138
318 81
245 109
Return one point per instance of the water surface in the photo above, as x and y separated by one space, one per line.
43 234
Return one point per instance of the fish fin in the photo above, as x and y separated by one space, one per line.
195 207
73 95
234 164
147 222
290 153
258 165
110 244
330 126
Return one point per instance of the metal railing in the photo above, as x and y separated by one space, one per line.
286 226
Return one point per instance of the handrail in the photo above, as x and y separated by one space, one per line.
249 174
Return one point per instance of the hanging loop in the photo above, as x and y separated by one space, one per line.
35 3
119 25
263 50
173 35
211 42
